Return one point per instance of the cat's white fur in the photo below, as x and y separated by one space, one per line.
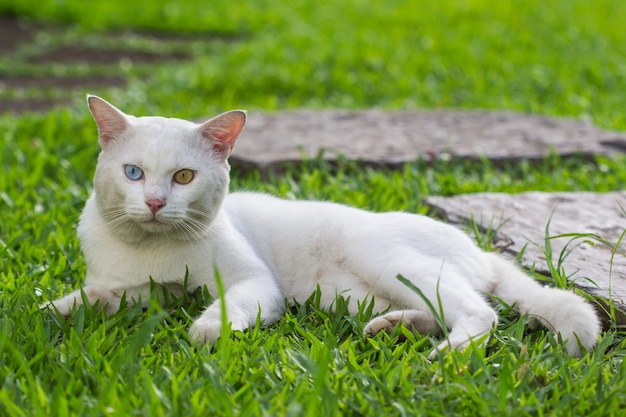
268 249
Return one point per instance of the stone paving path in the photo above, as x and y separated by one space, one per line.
392 138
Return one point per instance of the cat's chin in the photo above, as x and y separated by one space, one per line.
155 226
157 229
149 231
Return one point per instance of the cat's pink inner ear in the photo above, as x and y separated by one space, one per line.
222 131
110 121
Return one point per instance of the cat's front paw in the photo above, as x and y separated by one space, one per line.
63 308
90 294
205 330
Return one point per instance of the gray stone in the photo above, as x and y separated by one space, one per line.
392 138
520 222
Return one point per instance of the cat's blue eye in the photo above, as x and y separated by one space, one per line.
133 172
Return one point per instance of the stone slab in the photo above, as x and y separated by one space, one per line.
391 138
521 221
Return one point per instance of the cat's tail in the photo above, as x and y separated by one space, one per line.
563 312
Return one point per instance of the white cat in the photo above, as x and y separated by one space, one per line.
160 211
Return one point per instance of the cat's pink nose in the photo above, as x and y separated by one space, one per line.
155 204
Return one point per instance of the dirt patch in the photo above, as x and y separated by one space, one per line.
26 81
13 33
80 54
27 105
182 37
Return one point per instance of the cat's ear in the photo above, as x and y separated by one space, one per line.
222 131
110 121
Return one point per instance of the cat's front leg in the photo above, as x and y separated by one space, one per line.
106 299
244 302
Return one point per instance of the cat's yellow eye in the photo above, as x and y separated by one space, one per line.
184 176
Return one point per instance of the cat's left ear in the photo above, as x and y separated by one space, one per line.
111 122
222 131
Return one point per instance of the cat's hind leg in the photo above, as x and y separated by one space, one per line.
467 329
463 332
466 314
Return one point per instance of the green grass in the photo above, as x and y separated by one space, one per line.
565 58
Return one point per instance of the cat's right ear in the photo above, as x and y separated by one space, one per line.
222 131
110 121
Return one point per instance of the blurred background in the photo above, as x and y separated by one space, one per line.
192 58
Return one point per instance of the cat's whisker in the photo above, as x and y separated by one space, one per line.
192 229
199 213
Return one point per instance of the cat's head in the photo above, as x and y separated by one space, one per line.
158 176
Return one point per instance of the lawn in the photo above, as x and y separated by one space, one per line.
565 58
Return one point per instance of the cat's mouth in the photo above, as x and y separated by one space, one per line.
154 224
161 222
